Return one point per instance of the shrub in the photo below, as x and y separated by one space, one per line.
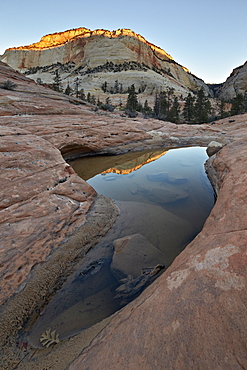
107 107
8 85
131 113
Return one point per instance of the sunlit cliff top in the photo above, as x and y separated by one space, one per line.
60 38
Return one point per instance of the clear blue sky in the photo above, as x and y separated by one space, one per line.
206 36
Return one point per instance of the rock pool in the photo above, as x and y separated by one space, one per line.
164 198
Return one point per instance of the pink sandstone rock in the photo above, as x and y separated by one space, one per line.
41 201
194 315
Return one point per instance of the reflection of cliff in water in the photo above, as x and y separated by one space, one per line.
89 167
136 163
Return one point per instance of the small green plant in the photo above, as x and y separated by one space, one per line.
39 81
8 85
68 90
57 82
49 337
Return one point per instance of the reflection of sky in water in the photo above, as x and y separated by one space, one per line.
172 175
164 202
176 183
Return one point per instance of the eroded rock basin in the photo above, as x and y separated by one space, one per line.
164 198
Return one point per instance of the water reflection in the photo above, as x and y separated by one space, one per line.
175 181
164 199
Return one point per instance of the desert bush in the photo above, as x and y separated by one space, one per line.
107 107
131 113
8 85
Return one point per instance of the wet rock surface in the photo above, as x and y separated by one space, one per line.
194 315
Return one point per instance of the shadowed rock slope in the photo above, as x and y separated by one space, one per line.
235 84
194 315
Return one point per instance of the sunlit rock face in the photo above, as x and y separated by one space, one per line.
100 55
235 84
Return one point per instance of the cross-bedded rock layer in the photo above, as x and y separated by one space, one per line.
194 315
95 57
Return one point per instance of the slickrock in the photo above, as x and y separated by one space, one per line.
28 98
37 190
194 315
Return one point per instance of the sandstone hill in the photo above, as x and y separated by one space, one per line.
235 84
193 316
91 58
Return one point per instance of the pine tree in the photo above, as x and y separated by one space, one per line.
108 100
202 107
77 83
245 102
81 94
170 93
116 87
68 90
146 109
163 105
223 113
104 87
188 111
132 102
93 100
139 107
57 84
237 105
156 108
173 115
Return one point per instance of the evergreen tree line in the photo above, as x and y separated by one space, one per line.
118 88
239 104
168 108
194 108
197 108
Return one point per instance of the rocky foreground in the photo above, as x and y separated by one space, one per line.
193 316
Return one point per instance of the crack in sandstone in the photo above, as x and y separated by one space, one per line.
39 172
229 232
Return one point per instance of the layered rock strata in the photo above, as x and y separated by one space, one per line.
194 315
91 58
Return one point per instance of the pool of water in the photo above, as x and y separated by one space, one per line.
164 198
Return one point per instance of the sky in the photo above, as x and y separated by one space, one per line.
206 36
